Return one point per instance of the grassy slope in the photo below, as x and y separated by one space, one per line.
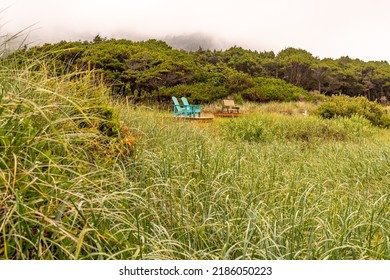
265 186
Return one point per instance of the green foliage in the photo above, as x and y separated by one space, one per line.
249 129
344 106
196 93
138 69
238 99
246 61
271 89
271 128
58 136
385 120
238 82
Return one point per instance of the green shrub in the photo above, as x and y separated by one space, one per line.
271 89
385 120
249 129
271 128
238 99
238 82
196 93
345 106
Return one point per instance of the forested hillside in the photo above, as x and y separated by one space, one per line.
152 70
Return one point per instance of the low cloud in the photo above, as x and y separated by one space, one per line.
192 42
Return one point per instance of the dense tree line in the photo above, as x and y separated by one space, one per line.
154 70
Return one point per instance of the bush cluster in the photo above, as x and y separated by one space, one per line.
271 128
196 93
345 106
272 89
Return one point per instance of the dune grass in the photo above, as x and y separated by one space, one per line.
282 197
82 180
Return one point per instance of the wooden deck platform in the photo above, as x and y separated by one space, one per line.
227 115
198 119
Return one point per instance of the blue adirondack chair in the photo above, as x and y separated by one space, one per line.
195 109
178 109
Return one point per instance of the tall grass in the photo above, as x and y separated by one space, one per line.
75 185
279 199
53 164
275 127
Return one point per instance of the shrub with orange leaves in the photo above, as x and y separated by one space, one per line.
126 145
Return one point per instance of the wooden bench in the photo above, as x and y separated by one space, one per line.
230 106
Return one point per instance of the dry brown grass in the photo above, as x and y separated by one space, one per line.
283 108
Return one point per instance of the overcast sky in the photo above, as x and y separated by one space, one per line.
325 28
